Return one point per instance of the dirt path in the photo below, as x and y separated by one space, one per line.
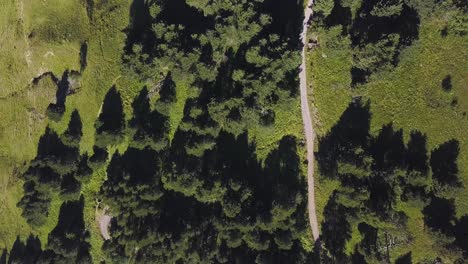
28 52
104 222
103 219
308 129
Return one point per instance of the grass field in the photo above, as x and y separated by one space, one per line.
51 32
409 96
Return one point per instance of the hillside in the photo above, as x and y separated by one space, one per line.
171 131
390 97
182 125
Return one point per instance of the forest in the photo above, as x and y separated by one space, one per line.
180 120
197 192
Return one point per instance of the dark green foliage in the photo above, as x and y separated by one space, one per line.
83 171
35 204
134 174
180 39
439 214
388 150
336 230
70 187
285 20
348 135
44 176
151 127
381 194
375 172
267 117
56 167
68 241
51 151
379 31
230 190
205 197
370 238
443 163
111 121
73 134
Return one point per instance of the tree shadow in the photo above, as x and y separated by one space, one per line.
461 234
444 163
348 134
179 213
83 171
405 259
51 151
111 119
73 134
178 12
447 83
139 30
357 257
150 125
3 258
286 18
134 167
21 252
99 156
89 4
381 194
339 16
282 170
84 55
35 204
172 12
69 187
359 76
439 215
55 110
370 28
68 240
374 22
336 230
370 238
417 157
168 92
388 149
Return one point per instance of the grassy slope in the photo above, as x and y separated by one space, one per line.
22 110
22 106
410 96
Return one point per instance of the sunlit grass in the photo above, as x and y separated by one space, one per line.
410 96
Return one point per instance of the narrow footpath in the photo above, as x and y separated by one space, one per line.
308 129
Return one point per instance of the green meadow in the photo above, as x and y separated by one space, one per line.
411 97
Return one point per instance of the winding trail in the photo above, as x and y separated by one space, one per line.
308 129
